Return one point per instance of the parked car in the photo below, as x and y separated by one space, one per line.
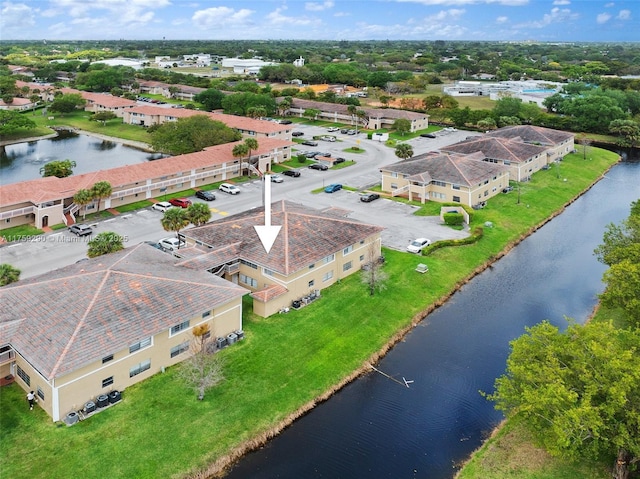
328 155
332 188
229 188
328 138
369 197
180 202
318 166
80 230
154 245
297 133
507 189
162 206
417 245
285 122
338 160
311 154
293 173
351 132
171 244
310 143
205 195
331 129
344 131
276 179
427 135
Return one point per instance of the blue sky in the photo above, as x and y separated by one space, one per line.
539 20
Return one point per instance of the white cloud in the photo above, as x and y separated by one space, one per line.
556 15
624 15
318 7
16 16
561 2
342 14
220 16
277 18
502 19
609 5
603 18
512 3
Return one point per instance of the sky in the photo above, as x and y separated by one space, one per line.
428 20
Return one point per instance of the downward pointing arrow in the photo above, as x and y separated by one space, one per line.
267 233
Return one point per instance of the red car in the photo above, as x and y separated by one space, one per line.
181 202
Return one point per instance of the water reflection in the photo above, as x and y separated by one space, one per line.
22 161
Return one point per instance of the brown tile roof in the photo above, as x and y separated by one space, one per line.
497 148
454 168
107 101
51 188
532 134
269 293
343 109
232 121
83 312
306 236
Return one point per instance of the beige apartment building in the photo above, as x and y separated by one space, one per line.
101 325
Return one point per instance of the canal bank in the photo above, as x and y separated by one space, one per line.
219 468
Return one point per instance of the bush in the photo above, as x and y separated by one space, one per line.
453 219
475 236
301 158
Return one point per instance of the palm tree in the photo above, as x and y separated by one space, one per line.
252 144
101 190
240 150
198 214
352 111
82 198
105 243
404 151
360 115
8 274
175 219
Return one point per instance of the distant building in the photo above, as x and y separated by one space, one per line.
299 62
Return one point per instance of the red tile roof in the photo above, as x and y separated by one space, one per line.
51 188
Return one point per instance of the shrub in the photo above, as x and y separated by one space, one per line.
453 219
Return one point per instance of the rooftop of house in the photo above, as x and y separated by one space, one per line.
72 316
458 169
497 148
51 188
344 109
307 236
532 134
108 101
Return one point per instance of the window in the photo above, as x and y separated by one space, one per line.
140 368
140 345
455 187
268 272
206 314
347 250
328 259
106 359
327 276
40 393
347 266
456 199
438 183
311 283
250 265
312 265
248 280
179 327
361 257
107 381
394 174
179 349
22 375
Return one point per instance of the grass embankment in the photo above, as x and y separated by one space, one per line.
283 366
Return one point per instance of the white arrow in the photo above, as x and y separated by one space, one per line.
267 233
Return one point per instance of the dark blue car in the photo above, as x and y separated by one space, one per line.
333 187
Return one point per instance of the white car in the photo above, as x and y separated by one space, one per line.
171 244
277 179
162 206
417 245
331 129
229 188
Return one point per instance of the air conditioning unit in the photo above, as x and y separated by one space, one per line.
231 338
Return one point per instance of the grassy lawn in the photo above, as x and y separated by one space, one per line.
286 361
12 234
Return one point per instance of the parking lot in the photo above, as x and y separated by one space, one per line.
60 248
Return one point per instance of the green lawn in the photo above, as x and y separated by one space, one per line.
160 430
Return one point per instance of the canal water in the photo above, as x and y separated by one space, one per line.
22 161
376 428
